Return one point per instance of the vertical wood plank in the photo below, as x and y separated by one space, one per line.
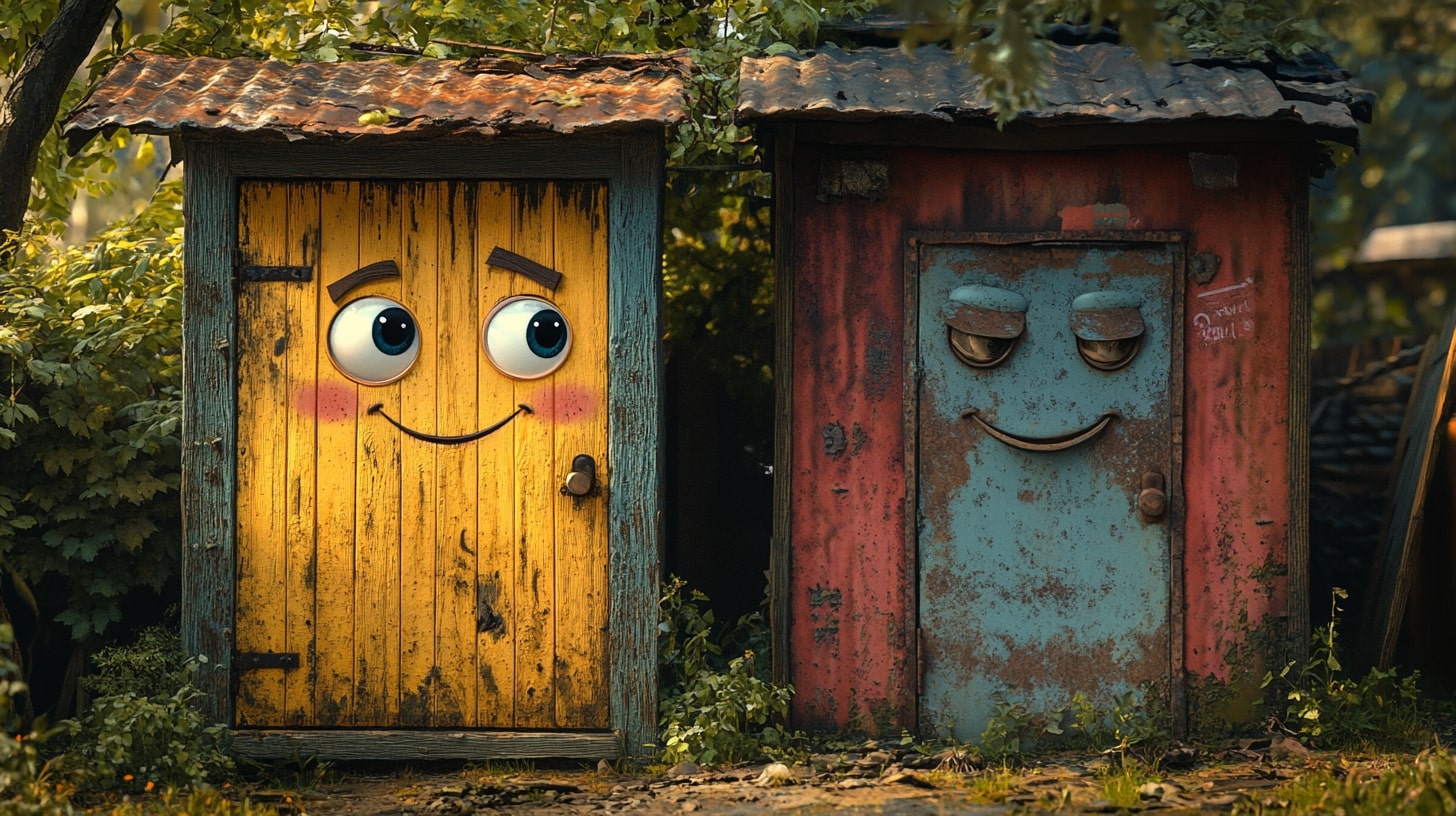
496 613
337 404
301 353
377 485
1299 383
209 390
780 553
262 450
535 577
457 541
579 422
634 434
419 491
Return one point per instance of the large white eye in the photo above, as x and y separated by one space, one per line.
526 338
374 340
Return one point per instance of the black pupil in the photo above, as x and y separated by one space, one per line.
394 331
546 333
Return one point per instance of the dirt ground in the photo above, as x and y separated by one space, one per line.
870 779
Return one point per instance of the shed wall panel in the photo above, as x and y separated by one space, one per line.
852 607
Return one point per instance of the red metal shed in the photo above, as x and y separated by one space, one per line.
1043 387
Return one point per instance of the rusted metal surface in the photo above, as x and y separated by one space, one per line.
1086 84
852 604
151 93
1038 579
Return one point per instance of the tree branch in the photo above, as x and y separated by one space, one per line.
30 105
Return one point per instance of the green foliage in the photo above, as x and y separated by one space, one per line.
1424 784
152 665
1136 725
133 742
90 369
1332 709
712 710
25 777
195 802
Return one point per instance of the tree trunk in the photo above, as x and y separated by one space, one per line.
30 105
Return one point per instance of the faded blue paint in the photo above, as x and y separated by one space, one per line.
1038 576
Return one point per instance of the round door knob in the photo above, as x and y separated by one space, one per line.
578 483
582 477
1153 502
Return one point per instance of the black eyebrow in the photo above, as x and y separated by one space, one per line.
520 264
364 274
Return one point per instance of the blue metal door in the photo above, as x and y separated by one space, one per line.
1046 455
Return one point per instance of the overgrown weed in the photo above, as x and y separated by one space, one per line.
1330 708
717 709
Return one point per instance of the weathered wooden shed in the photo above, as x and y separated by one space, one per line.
1043 389
421 434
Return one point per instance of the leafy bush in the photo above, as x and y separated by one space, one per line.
1332 709
711 710
152 665
1135 725
24 774
127 741
90 369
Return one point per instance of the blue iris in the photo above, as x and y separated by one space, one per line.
394 331
546 334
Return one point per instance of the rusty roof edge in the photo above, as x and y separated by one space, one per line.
1330 110
142 72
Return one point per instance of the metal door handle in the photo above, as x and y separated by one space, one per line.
1153 500
583 476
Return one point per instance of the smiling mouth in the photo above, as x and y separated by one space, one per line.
1050 443
378 408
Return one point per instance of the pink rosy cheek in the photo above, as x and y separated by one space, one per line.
327 401
564 403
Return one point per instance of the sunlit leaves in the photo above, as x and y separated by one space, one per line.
90 370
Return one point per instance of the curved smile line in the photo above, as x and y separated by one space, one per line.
1052 443
378 408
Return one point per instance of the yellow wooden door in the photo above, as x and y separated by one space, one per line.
420 583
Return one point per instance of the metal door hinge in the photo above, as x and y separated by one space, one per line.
253 661
919 663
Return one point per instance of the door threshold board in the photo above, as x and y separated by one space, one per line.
351 744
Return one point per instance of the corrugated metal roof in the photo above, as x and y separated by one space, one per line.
1086 84
150 93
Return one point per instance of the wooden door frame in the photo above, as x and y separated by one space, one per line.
1178 243
631 163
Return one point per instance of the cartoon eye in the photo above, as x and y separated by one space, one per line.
1109 328
374 340
984 324
979 351
526 337
1108 355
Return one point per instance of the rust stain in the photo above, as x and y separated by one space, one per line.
1097 216
152 93
835 440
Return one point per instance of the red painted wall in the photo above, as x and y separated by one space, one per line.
852 579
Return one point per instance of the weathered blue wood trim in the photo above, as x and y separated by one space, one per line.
533 158
209 424
634 434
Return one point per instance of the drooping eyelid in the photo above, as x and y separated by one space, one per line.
1107 315
986 311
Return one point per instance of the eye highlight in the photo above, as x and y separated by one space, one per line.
526 337
1108 355
374 340
980 351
